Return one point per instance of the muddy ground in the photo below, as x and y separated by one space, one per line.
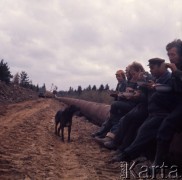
30 150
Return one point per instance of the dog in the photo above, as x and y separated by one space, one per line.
63 118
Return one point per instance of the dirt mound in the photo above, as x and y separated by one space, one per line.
12 93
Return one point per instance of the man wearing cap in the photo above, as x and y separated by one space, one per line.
172 123
147 132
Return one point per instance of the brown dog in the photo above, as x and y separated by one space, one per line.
64 119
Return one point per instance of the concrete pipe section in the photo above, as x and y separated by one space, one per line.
97 113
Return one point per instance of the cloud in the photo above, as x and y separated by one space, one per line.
82 42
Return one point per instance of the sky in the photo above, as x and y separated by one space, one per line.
71 43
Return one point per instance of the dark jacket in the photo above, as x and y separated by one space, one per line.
164 79
177 81
121 86
158 101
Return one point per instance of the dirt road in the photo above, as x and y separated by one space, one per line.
29 149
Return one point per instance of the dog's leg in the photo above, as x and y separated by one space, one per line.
62 133
69 133
56 132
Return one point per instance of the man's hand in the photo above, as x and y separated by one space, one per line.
137 94
150 84
129 90
171 66
121 95
113 93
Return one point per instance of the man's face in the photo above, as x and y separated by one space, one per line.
155 70
134 74
173 55
119 77
127 72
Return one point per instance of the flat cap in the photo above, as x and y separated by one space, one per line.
155 61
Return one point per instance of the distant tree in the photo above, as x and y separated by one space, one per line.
55 90
37 88
101 88
70 90
106 87
79 90
24 79
44 87
5 74
94 88
88 88
16 79
31 86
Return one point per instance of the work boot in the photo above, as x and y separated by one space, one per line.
120 157
102 131
161 153
161 158
98 134
117 152
102 140
110 145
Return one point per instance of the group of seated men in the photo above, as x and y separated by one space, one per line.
147 109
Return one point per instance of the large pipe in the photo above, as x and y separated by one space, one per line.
98 113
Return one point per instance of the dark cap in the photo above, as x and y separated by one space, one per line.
155 61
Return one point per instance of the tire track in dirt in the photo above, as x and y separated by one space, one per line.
15 113
20 143
30 150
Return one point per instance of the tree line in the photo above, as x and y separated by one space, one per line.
21 78
79 90
90 93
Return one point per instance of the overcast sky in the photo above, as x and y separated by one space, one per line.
83 42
